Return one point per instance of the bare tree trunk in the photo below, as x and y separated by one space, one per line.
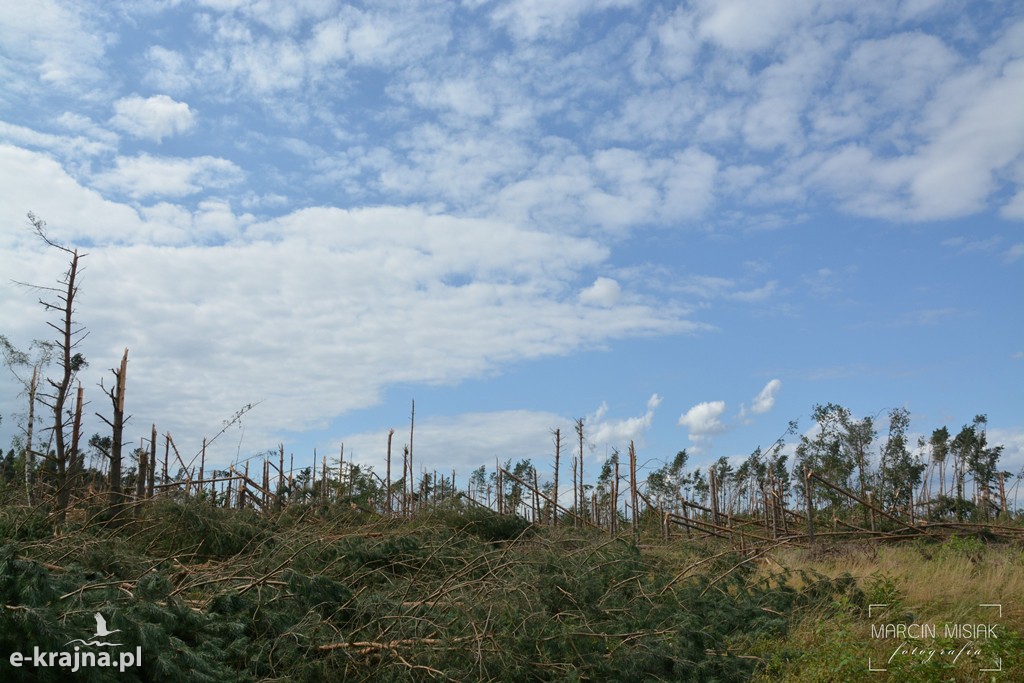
387 484
632 488
202 463
141 476
614 523
167 455
280 477
151 470
74 457
501 489
579 433
412 427
406 481
575 494
30 457
554 493
713 484
116 394
810 506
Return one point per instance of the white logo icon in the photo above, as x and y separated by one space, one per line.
101 632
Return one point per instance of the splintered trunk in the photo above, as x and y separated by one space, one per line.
117 436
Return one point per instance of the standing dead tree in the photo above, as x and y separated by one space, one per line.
558 451
116 394
69 337
582 490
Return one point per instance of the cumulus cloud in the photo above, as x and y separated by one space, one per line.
151 176
603 433
56 44
702 420
153 118
321 310
765 400
604 292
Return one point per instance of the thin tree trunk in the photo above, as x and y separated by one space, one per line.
579 433
30 457
632 489
117 437
387 484
74 459
810 506
140 475
202 464
554 493
412 429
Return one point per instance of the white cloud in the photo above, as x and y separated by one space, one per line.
604 292
1012 460
1014 253
972 136
149 176
32 180
319 311
168 69
765 400
463 442
152 118
604 434
530 19
751 25
52 42
74 147
702 419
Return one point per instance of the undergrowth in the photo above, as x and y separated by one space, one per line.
330 593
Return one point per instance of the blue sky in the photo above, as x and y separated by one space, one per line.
685 222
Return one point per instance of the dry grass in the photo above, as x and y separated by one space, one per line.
948 578
937 583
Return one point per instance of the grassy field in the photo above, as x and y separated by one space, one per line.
332 593
936 584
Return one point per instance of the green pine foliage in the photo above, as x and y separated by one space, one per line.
325 593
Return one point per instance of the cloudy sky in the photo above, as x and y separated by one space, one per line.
685 222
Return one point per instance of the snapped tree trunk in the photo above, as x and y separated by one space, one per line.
116 394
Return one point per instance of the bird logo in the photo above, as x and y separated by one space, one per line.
101 632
